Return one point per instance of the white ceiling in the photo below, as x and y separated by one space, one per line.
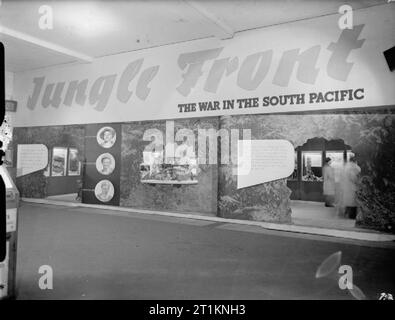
99 28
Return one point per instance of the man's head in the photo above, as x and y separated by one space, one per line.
58 164
105 187
107 135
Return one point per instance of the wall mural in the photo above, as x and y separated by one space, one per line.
198 197
372 139
44 183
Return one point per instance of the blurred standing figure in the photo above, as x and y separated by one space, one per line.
350 179
338 168
80 181
329 183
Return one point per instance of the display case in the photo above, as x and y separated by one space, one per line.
8 266
168 174
177 170
311 166
306 182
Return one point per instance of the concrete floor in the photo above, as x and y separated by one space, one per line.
304 213
108 256
70 197
309 213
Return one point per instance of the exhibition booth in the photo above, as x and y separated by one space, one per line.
163 128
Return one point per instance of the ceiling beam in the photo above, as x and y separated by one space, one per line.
45 44
223 30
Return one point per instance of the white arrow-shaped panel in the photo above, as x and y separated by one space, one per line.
31 158
262 161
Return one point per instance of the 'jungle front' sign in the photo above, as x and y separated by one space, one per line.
305 65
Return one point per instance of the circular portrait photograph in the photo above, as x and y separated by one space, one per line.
104 190
105 164
106 137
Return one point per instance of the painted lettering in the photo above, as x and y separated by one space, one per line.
219 68
101 91
51 96
307 71
76 91
261 62
37 86
338 68
142 89
193 63
130 72
248 74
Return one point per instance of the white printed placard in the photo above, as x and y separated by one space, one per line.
31 158
11 220
261 161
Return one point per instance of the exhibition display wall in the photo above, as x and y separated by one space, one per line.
64 144
200 197
122 184
370 135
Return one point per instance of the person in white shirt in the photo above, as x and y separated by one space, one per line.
350 187
329 183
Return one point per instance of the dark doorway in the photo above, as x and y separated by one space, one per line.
63 173
306 182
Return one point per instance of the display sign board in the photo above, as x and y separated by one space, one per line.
31 158
304 65
262 161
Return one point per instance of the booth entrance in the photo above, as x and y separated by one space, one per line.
306 183
63 174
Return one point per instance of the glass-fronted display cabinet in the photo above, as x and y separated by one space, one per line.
311 166
177 170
